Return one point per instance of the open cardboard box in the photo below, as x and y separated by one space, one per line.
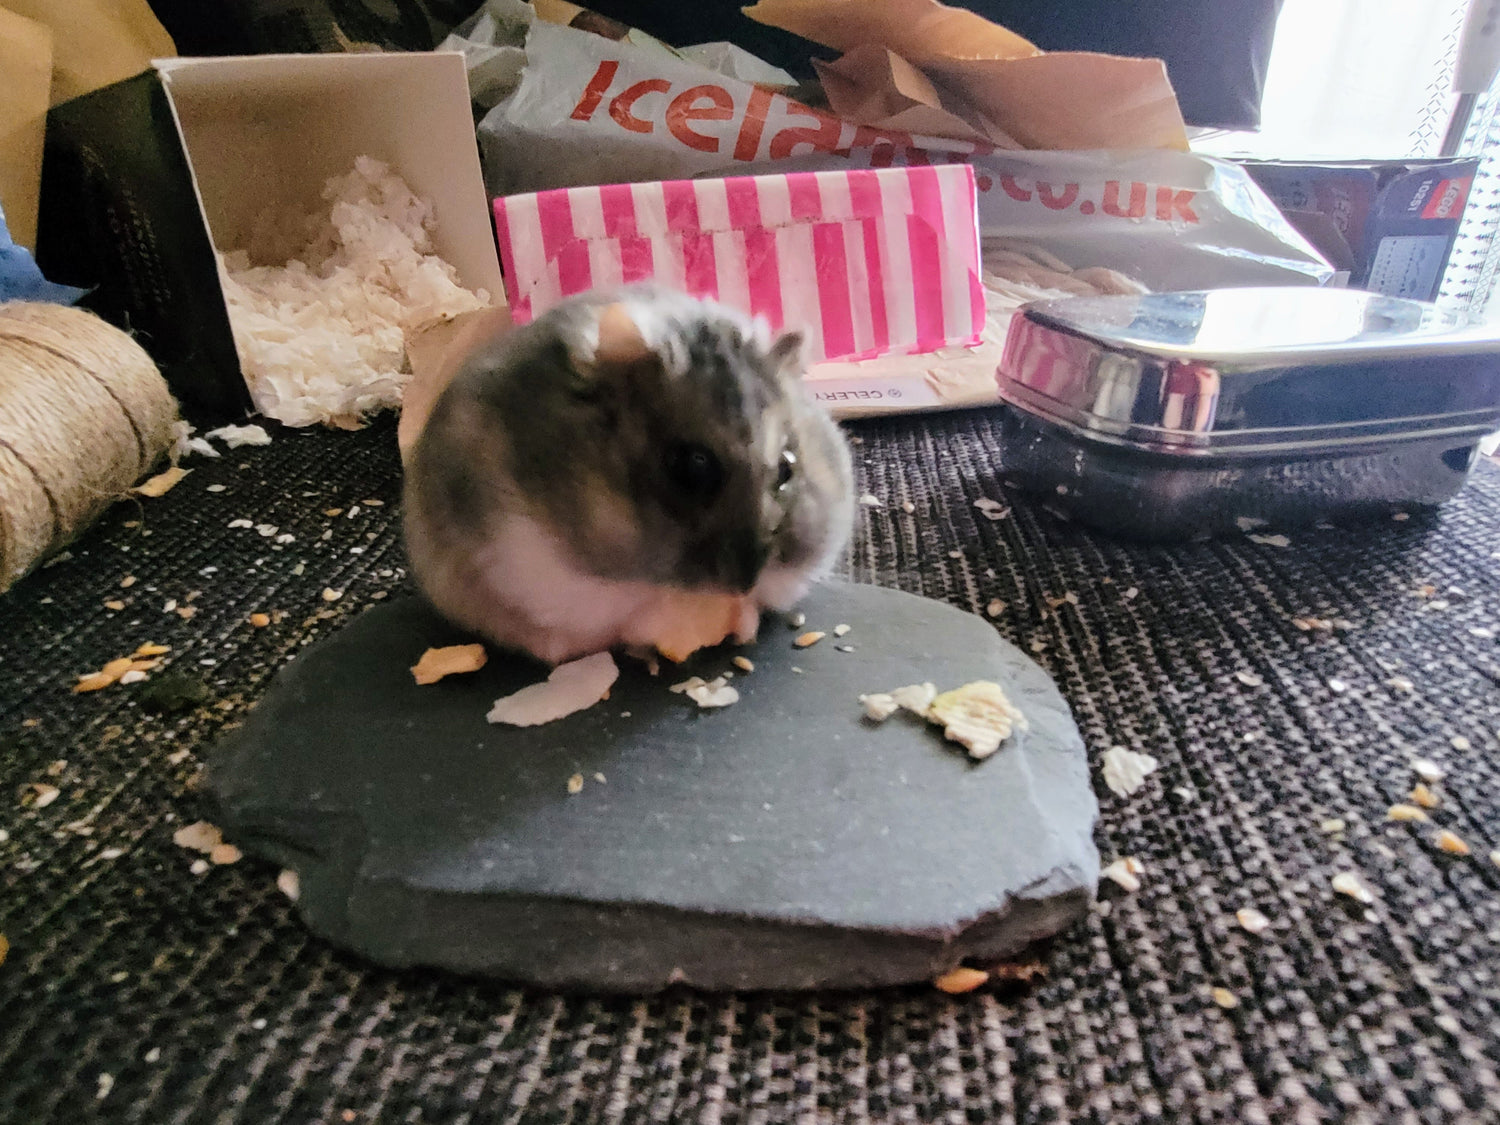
142 179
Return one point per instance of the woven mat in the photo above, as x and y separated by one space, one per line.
136 990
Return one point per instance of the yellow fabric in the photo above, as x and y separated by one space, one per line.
96 42
51 51
26 63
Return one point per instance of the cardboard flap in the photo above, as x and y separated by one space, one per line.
1063 100
254 142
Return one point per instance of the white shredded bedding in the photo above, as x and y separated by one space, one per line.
320 303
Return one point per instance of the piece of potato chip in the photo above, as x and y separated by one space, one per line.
451 660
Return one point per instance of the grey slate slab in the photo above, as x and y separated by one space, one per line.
783 842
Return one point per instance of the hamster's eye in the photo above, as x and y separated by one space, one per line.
695 470
785 469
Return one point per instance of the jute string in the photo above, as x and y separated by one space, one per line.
84 413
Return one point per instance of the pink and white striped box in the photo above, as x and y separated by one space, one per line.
864 263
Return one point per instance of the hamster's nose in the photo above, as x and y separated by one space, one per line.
741 560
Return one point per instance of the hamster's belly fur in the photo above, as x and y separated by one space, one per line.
520 589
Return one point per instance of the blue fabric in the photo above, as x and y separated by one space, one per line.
21 280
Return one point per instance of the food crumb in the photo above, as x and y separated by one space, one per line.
908 507
128 581
1429 771
871 501
106 1083
1451 843
743 663
38 795
1348 883
575 783
198 867
260 620
331 595
1249 679
1459 742
225 854
200 836
1130 593
1125 770
807 640
114 604
1225 999
796 621
1251 920
1125 872
961 980
599 777
1332 824
1421 795
289 883
1405 813
995 607
450 660
840 630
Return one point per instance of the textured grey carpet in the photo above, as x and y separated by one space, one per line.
137 991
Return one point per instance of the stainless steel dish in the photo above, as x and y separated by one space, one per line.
1180 415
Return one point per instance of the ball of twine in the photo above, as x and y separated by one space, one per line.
83 414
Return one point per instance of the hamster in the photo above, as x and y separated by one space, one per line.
586 476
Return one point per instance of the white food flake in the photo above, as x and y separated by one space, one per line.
1459 742
1271 540
575 784
1225 999
1126 872
870 501
916 698
995 607
235 436
708 693
1249 679
1428 770
840 630
1125 770
978 716
879 706
1348 883
1251 920
289 883
571 687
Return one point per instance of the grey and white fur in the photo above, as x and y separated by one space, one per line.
626 446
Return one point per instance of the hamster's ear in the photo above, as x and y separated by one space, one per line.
786 353
620 339
607 340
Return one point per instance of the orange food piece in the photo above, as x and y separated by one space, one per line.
451 660
961 980
683 621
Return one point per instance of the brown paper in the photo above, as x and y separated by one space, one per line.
920 31
26 63
435 354
96 42
873 86
1058 100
